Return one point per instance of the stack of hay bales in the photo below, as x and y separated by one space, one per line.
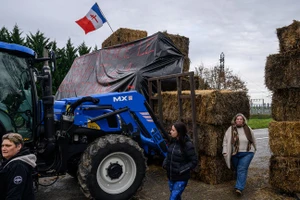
282 76
215 110
123 35
182 43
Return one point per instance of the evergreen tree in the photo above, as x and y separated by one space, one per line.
66 57
15 36
95 48
60 71
71 54
83 49
4 34
37 42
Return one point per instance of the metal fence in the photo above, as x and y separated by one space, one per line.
258 107
260 110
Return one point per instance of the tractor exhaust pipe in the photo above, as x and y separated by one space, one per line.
48 103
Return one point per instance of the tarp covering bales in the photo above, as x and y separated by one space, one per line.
182 43
122 67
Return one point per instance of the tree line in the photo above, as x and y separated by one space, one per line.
39 41
208 78
215 78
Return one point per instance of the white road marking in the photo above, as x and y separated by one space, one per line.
262 138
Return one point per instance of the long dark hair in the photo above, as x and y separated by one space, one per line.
182 133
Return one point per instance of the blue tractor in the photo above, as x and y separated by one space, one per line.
101 139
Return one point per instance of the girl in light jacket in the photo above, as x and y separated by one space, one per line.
239 146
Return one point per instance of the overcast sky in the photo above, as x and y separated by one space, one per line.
245 30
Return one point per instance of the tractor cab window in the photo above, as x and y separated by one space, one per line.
15 95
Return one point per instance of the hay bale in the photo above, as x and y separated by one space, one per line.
182 43
284 138
212 106
213 170
210 139
283 70
123 35
285 173
286 105
289 37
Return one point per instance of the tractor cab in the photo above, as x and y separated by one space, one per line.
17 90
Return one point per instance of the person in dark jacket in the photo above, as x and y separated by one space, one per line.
180 160
16 169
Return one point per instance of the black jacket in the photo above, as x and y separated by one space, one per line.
179 162
16 177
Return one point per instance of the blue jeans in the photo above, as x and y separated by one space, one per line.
241 162
176 189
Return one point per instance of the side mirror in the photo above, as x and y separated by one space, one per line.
49 56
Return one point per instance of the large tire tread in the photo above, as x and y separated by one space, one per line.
86 161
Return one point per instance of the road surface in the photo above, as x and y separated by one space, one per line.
155 186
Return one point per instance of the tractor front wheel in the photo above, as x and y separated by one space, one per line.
112 167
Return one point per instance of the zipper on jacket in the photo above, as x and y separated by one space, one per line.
184 170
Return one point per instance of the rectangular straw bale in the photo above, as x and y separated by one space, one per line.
282 71
286 105
284 138
289 37
213 170
123 35
210 139
285 173
182 43
212 106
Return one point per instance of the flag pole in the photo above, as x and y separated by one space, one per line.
110 26
106 20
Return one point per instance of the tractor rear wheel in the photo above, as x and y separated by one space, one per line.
112 167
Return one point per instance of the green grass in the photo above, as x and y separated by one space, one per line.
259 121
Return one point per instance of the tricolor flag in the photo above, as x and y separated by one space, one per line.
93 20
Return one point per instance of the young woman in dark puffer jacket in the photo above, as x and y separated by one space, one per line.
181 159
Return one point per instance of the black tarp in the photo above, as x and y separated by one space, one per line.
122 67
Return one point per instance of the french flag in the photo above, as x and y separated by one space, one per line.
93 19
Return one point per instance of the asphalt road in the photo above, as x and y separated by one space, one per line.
155 187
263 150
